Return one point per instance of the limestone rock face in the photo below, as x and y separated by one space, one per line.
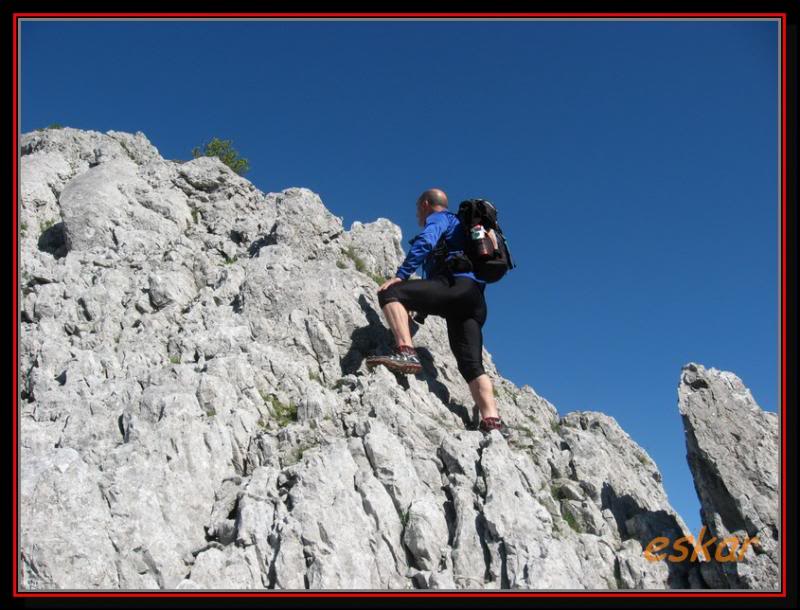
196 413
732 447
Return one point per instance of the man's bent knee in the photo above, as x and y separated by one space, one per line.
470 370
388 296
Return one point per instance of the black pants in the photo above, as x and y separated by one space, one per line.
460 301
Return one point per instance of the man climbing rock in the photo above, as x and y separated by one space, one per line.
458 297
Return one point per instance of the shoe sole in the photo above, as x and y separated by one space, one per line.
506 435
408 369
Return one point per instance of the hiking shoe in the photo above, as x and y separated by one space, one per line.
494 423
403 359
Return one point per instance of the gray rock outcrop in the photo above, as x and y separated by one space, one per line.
732 446
196 412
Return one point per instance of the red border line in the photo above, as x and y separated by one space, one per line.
393 15
428 594
16 310
417 593
783 303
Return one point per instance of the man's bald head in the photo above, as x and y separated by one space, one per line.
432 200
434 197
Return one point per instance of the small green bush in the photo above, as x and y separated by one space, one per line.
55 126
361 266
284 414
377 278
225 152
357 260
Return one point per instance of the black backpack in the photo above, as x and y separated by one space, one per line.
478 212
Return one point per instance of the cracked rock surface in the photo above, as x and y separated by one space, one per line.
196 412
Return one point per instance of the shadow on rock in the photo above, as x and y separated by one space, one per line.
367 340
54 241
376 338
254 249
430 375
643 526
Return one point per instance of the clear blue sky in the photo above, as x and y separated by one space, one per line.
635 166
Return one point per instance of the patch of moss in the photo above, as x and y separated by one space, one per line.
357 260
361 266
555 425
377 278
46 225
570 519
296 454
341 264
404 516
175 359
284 414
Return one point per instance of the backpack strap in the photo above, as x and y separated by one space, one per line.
439 254
440 250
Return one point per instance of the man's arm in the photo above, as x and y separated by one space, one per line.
423 244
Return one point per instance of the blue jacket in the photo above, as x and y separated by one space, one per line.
422 245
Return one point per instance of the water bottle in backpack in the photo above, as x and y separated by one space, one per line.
482 243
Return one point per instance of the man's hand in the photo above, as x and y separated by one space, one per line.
389 282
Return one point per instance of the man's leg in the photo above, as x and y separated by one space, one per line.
466 343
483 395
397 318
430 296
